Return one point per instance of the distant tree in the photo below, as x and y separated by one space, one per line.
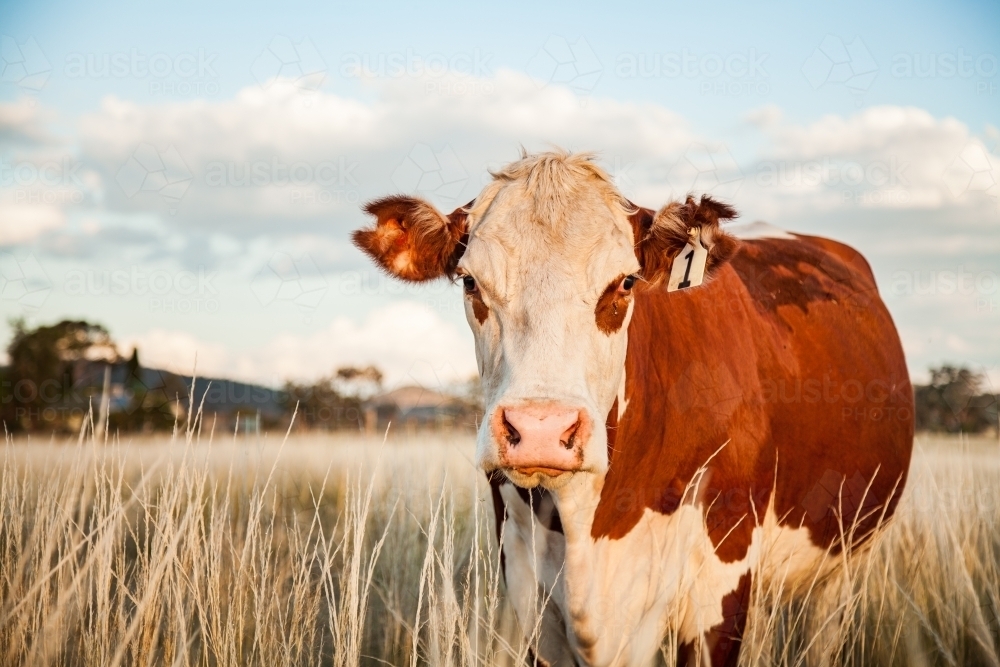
44 351
954 402
153 398
360 382
43 363
133 364
336 401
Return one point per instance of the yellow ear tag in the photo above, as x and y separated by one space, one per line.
689 266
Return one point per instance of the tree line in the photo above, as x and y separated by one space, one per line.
56 376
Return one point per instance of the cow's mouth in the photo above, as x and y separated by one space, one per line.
545 476
542 470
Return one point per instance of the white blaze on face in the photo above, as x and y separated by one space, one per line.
542 252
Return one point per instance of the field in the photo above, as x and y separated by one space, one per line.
334 550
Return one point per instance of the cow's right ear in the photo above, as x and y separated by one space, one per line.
412 240
660 237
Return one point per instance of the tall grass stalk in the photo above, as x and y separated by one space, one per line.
344 551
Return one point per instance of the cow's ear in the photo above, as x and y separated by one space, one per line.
411 239
661 236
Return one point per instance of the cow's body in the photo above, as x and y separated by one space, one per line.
650 452
757 411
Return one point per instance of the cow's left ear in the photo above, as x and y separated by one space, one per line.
660 237
412 240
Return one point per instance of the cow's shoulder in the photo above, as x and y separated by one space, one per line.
799 270
852 259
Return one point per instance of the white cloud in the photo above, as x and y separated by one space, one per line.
179 352
766 116
927 345
343 150
407 340
24 121
880 157
908 189
942 245
22 223
314 158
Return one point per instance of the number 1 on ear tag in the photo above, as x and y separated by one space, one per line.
689 266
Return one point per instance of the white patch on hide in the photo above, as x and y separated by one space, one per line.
619 597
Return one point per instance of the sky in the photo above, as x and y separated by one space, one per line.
187 174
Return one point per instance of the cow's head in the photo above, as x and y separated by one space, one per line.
550 256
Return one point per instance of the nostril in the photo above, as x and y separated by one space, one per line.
568 437
513 437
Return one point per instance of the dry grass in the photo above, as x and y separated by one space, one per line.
340 551
927 591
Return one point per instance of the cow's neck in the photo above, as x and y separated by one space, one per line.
591 601
577 503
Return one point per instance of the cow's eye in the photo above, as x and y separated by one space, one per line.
469 283
627 283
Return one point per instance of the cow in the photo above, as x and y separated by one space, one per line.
672 409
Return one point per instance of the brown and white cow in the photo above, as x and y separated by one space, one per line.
650 451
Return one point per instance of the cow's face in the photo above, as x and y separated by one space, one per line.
550 257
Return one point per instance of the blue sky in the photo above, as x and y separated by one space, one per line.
894 106
510 34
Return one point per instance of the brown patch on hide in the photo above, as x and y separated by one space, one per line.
612 307
791 358
479 307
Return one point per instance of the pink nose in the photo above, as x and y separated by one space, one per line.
541 437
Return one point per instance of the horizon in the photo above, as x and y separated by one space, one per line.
187 176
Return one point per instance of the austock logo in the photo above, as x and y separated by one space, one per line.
185 74
325 182
831 171
705 386
456 74
720 74
153 390
24 64
23 281
835 63
293 280
179 292
973 170
944 66
299 62
439 295
875 182
946 282
706 168
874 400
149 170
411 64
44 182
621 175
432 173
60 399
561 62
